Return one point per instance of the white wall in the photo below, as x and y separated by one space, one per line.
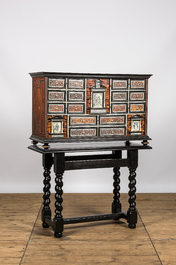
107 36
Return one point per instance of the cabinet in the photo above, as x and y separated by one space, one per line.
72 106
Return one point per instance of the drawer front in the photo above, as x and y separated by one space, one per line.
56 95
119 108
82 121
76 83
137 108
120 84
56 108
117 120
119 96
82 132
76 96
75 108
140 84
112 131
135 96
56 83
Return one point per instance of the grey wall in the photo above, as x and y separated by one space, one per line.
109 36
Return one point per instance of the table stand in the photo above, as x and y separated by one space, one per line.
56 156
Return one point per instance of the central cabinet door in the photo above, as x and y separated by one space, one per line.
97 100
99 95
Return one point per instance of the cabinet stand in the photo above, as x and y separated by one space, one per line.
56 156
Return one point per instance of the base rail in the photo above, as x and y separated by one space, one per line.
90 218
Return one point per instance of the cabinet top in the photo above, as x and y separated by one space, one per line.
88 75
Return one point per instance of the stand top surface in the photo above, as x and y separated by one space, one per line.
88 147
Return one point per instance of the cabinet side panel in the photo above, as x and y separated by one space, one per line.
146 108
38 107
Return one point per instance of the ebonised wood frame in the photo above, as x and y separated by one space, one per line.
56 156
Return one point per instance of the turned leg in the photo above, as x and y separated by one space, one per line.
132 212
59 170
46 211
116 205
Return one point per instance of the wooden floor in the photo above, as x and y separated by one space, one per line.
24 241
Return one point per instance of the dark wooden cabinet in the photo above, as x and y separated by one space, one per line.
71 106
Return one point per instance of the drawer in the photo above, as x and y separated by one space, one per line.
112 131
76 96
137 108
117 120
74 121
120 84
76 108
140 84
119 108
119 96
56 108
56 95
76 83
137 96
56 83
83 132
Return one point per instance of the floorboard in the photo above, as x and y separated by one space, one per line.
24 241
